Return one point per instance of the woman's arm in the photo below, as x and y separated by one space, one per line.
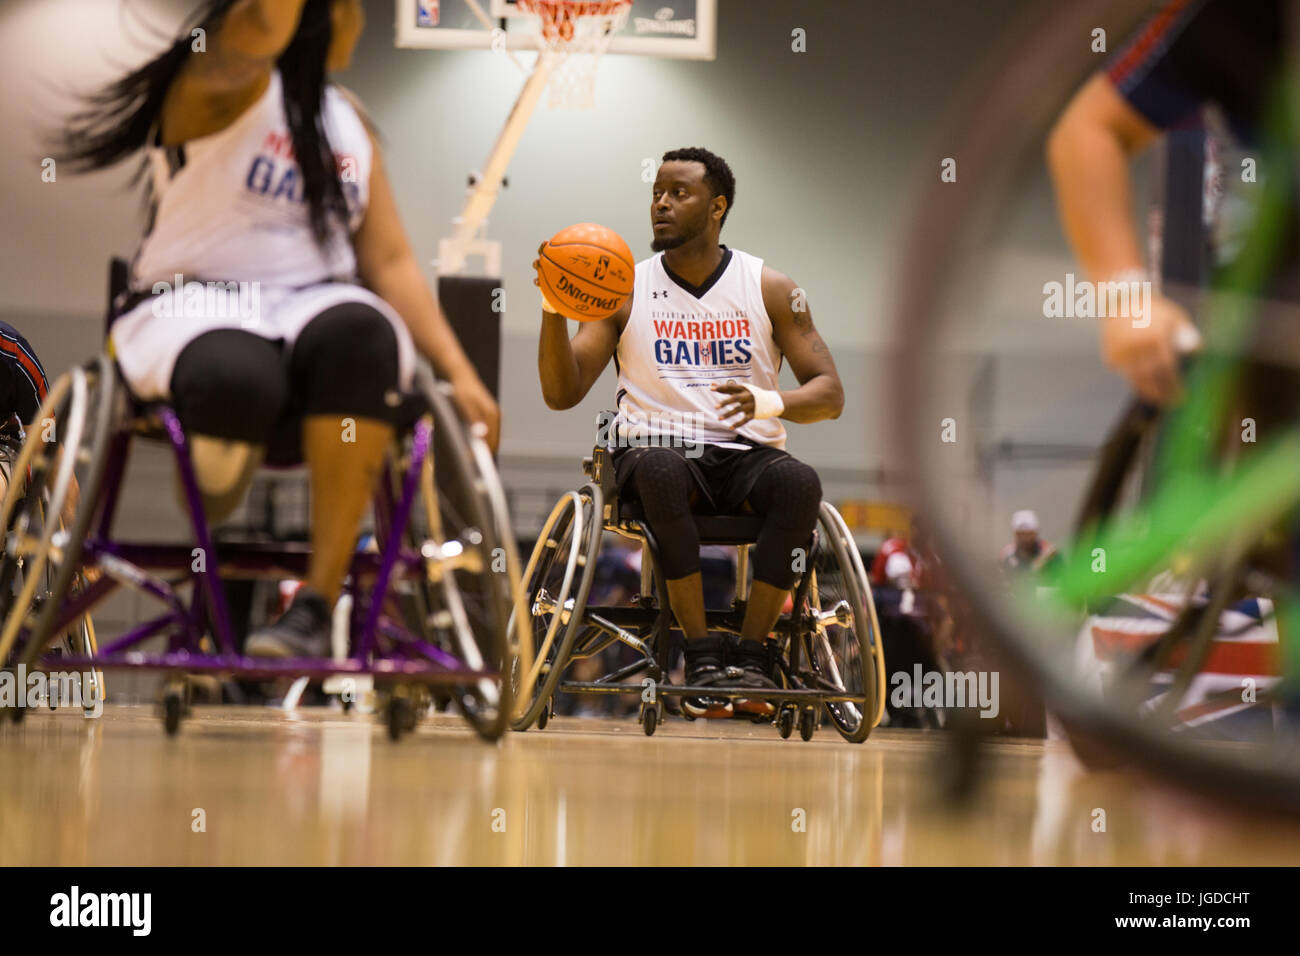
387 266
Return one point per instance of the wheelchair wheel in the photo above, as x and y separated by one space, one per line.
1163 530
40 560
844 641
556 582
462 513
785 718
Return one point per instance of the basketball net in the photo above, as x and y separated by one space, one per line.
574 35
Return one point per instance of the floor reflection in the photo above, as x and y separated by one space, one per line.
330 789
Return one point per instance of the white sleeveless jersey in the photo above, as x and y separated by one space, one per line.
680 339
230 212
232 206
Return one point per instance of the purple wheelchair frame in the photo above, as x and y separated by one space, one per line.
381 646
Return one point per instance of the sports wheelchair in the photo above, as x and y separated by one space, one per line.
831 656
428 609
79 639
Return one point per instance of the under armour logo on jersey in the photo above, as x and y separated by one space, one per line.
659 295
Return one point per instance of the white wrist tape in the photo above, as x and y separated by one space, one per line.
547 307
767 403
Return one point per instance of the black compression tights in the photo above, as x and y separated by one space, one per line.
233 384
787 495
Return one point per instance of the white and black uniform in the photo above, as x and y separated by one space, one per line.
680 339
230 213
675 455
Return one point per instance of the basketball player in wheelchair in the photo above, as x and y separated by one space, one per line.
266 172
699 344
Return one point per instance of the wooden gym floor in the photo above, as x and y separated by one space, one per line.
317 787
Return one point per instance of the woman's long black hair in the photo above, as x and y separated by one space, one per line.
117 120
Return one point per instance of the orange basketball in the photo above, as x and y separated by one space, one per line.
586 271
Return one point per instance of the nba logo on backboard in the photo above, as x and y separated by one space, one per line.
426 13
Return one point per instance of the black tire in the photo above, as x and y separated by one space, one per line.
398 718
543 718
649 720
173 706
785 722
808 723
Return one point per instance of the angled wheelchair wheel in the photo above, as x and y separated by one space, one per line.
844 648
1104 638
41 557
461 527
556 583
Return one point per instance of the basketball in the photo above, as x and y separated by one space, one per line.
586 271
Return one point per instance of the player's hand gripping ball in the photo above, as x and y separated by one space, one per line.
585 272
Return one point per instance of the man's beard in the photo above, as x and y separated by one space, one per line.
663 245
677 241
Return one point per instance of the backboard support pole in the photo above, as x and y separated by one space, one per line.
467 239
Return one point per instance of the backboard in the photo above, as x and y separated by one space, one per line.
681 29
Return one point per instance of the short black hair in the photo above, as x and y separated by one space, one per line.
717 174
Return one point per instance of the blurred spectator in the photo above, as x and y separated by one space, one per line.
1028 553
896 544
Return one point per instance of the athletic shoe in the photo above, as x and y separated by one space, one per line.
757 664
301 631
706 667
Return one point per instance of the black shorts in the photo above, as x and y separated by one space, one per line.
724 476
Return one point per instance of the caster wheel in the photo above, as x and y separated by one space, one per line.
649 720
400 717
347 706
16 714
172 706
785 722
544 717
808 723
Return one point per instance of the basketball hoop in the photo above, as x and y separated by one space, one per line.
574 35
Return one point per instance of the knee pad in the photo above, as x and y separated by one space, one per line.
788 494
664 483
345 362
223 470
230 384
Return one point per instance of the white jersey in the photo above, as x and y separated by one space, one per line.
680 339
232 206
231 220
